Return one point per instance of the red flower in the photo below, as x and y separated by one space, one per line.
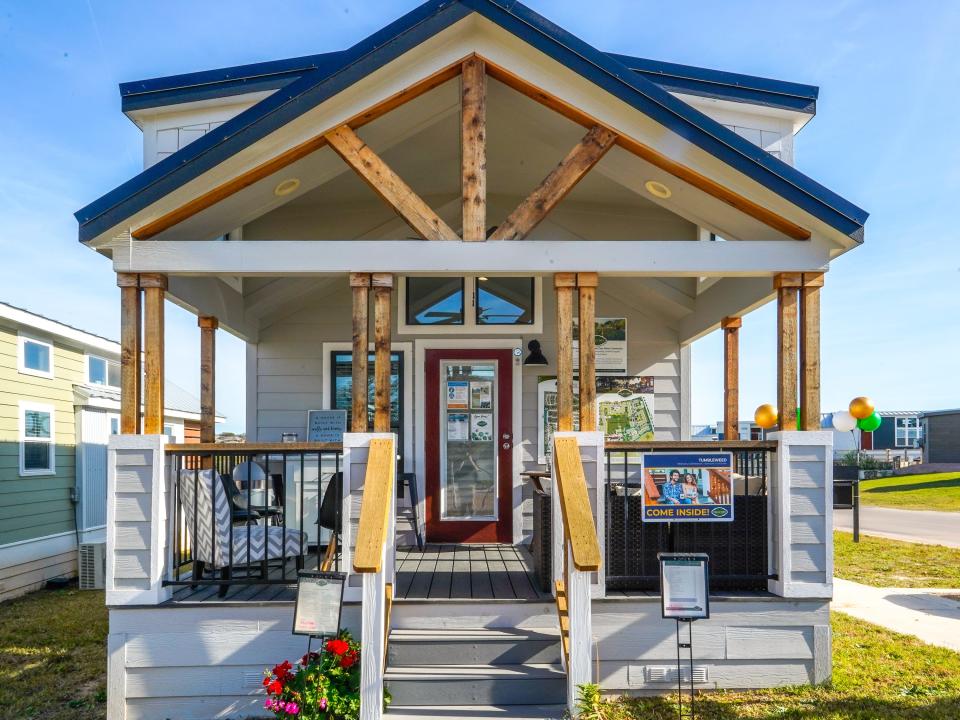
348 660
309 658
337 646
266 680
282 671
274 688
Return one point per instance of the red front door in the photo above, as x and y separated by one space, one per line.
469 445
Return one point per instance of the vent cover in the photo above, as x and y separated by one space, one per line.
666 674
252 679
93 565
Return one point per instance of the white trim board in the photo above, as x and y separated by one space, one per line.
45 325
24 551
421 346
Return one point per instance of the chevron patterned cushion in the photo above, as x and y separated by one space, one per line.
207 518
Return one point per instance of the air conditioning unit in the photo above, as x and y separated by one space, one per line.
93 565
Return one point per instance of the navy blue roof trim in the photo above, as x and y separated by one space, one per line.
725 85
415 27
221 82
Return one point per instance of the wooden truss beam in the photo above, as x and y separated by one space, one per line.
388 185
473 148
556 185
654 157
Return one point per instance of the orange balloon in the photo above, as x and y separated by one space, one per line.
861 407
765 416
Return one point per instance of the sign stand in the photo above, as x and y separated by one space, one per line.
685 597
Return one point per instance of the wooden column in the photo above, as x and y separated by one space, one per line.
154 289
731 377
130 348
360 284
473 148
787 286
587 288
810 351
208 378
565 284
382 290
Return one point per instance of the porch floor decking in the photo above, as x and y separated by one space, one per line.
440 572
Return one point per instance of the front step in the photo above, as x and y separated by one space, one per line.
476 668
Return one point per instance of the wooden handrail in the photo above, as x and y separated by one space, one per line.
246 448
578 527
375 507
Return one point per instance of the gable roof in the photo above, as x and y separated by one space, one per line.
385 45
275 74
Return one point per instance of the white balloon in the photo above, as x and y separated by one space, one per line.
844 421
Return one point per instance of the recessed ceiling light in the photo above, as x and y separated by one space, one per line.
286 187
482 278
657 189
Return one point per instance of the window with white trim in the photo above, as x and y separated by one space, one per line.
37 456
101 371
907 432
35 356
470 304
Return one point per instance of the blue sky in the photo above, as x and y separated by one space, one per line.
884 138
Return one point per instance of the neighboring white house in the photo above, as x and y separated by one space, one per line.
417 171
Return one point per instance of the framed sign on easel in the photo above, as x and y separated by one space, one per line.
685 597
317 611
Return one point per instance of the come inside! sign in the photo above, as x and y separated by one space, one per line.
687 487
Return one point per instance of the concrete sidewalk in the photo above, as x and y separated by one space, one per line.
919 526
922 612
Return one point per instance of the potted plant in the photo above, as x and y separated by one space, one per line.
321 685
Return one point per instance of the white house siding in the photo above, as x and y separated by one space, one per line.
207 661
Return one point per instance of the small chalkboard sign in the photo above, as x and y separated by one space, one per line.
326 425
319 599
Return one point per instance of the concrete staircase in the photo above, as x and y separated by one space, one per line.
475 673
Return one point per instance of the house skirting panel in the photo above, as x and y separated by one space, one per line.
206 661
27 566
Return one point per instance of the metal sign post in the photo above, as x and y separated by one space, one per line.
685 597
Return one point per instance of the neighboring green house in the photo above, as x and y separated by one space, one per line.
59 403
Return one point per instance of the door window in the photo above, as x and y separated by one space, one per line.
468 447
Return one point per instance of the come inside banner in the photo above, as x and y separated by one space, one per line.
687 487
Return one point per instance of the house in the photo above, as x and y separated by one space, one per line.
940 436
435 231
59 389
900 435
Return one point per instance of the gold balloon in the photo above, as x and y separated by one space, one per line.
861 407
765 416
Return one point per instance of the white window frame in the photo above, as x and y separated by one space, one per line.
26 406
22 340
906 441
107 361
470 325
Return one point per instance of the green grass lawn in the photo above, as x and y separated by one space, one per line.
937 491
892 563
877 674
53 667
53 657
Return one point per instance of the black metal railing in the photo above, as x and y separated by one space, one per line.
738 549
251 514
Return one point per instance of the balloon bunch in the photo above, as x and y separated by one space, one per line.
861 414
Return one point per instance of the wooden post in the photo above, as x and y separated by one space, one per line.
382 290
360 283
587 287
208 378
565 283
473 150
154 289
731 377
810 351
130 347
787 285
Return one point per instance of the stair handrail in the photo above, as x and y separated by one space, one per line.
375 507
571 490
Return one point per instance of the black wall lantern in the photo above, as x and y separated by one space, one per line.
536 355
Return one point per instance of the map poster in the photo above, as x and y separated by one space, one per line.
624 410
611 345
687 486
684 585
